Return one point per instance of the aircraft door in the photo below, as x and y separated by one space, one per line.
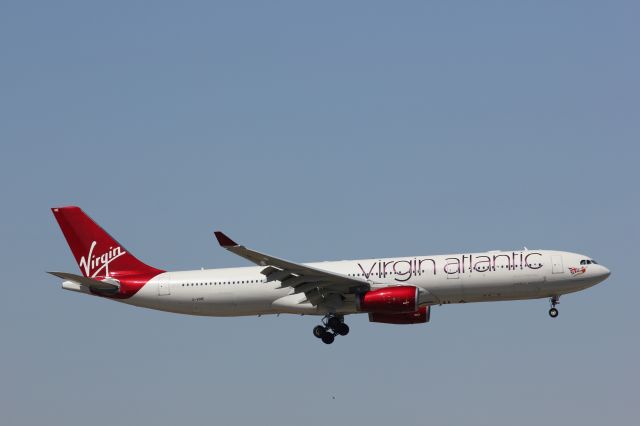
556 263
164 288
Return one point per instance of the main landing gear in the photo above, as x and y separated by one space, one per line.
553 312
332 326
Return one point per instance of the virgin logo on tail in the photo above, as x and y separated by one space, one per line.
93 264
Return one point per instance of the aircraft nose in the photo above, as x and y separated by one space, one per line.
604 274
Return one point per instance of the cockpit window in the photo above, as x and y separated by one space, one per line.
594 262
588 262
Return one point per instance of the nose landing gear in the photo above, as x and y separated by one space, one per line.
332 326
553 312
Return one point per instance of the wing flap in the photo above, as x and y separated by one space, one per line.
281 275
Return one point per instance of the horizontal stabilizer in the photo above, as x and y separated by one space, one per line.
95 285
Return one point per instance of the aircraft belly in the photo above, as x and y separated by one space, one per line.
207 301
445 291
488 286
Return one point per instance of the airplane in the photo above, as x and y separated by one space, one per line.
398 290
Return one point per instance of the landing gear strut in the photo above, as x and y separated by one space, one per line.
553 312
332 325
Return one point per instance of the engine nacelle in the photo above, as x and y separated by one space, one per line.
420 316
389 300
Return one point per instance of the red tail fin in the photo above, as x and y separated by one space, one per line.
97 253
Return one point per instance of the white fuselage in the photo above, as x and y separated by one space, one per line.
461 278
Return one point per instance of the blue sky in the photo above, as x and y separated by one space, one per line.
319 131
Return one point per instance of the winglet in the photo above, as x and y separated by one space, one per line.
223 240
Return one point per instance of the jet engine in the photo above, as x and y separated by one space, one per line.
418 317
389 300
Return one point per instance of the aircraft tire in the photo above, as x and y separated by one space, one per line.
319 331
327 338
333 322
342 329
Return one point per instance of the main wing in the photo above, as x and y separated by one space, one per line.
314 282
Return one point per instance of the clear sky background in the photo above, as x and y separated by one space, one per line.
313 131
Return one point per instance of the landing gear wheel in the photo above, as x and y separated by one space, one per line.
319 331
553 312
327 338
342 329
333 322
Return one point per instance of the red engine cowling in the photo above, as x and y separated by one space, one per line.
389 300
420 316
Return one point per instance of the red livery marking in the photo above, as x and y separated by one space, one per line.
577 271
99 255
